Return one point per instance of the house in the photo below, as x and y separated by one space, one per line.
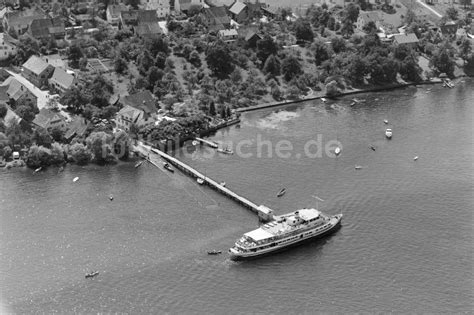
239 11
148 30
49 119
449 28
7 46
250 35
409 39
19 21
139 109
19 93
46 28
216 18
61 81
128 19
184 5
161 7
76 128
366 17
269 11
37 71
228 35
113 13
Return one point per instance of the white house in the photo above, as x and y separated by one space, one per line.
7 46
162 7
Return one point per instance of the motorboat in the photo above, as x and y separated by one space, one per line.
385 121
75 179
324 99
61 169
38 169
388 133
372 147
222 184
168 167
214 252
111 197
138 164
415 158
337 151
281 192
195 142
225 150
200 181
358 167
92 274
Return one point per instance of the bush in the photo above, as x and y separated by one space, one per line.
38 156
80 154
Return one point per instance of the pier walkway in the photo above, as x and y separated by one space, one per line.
207 142
263 212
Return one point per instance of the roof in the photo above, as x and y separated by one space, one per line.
371 16
144 16
18 18
132 113
259 234
15 88
144 29
237 7
40 27
45 116
308 214
55 60
62 78
143 100
405 38
218 15
4 97
270 10
129 15
36 65
228 32
5 38
77 127
115 9
11 115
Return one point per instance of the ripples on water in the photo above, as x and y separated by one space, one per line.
405 244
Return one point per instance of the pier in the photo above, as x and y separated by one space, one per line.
207 142
263 212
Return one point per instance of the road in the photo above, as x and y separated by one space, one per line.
430 8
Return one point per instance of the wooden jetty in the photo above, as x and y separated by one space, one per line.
264 213
208 143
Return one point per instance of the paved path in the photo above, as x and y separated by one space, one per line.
430 8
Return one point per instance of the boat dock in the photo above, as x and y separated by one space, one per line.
207 142
263 212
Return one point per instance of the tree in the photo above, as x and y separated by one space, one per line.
38 156
74 54
156 45
74 99
219 60
370 27
452 13
57 134
26 47
57 154
338 44
3 111
410 70
122 145
266 47
195 58
144 62
272 66
80 153
42 137
332 89
320 51
291 67
465 49
212 109
303 30
100 145
83 63
347 28
442 61
223 112
120 65
351 12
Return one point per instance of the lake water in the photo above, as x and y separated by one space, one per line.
405 244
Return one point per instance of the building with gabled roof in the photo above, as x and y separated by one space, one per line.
37 71
139 109
8 46
405 39
239 11
76 128
19 21
161 7
55 60
368 16
216 18
49 119
46 27
113 13
61 81
19 93
228 35
185 5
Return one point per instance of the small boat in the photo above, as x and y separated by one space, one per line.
324 99
75 179
372 147
337 151
358 167
61 169
168 167
353 103
225 151
214 252
138 164
222 184
281 192
195 142
200 181
385 121
415 158
92 274
111 197
388 133
38 169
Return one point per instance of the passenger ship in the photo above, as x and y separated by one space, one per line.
284 231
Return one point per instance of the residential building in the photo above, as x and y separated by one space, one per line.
55 60
409 39
46 27
61 81
216 18
139 109
128 19
18 93
239 11
19 21
184 5
162 7
366 17
228 35
37 71
113 13
7 46
76 128
49 119
269 11
449 28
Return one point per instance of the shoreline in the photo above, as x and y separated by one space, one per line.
352 92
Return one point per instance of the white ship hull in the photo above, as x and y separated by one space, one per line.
289 241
